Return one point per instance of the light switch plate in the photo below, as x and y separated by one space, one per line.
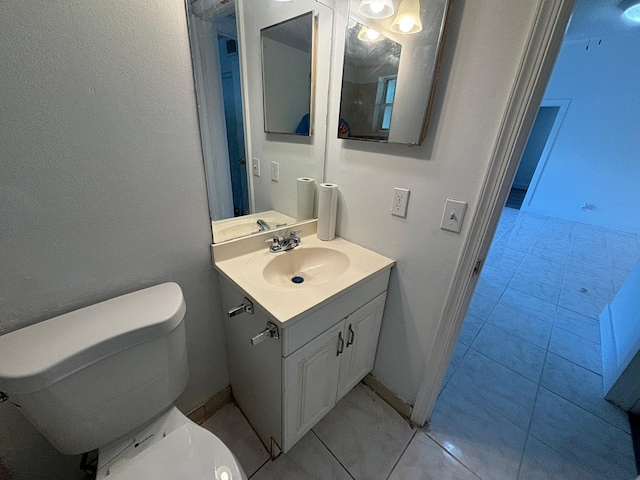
256 166
453 215
275 171
399 203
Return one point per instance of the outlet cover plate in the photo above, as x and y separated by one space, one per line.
400 201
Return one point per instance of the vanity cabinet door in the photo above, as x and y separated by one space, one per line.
311 382
362 329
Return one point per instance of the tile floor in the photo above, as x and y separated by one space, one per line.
522 396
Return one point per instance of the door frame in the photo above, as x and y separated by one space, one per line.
543 46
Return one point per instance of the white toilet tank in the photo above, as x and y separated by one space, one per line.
87 377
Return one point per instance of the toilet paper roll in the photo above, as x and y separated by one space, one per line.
327 209
306 198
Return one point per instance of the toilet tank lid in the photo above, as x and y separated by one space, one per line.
37 356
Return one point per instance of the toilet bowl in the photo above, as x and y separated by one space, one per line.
105 377
169 447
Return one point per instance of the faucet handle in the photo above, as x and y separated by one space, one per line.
294 234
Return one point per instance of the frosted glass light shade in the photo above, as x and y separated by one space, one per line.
408 18
376 8
631 10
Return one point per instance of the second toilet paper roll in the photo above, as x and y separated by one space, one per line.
306 196
327 210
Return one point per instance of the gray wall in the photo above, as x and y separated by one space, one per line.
102 189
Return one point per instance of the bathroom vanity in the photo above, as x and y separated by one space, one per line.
295 349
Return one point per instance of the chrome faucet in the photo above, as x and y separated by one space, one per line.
263 225
285 242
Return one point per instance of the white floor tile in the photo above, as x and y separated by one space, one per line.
577 324
230 426
458 354
470 328
541 462
510 351
582 387
496 386
489 289
576 349
365 434
426 460
528 304
481 306
478 436
522 325
309 459
582 437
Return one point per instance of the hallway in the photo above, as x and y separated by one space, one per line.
522 397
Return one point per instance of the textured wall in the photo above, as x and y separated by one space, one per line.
102 188
484 46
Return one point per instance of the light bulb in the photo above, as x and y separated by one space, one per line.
372 34
406 24
376 7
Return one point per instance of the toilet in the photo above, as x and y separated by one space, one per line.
105 377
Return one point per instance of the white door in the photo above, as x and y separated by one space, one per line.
362 329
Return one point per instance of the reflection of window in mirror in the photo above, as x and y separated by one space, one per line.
384 103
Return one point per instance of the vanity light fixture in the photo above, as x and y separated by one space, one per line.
631 9
376 8
408 18
367 34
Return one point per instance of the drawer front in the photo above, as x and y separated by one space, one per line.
309 327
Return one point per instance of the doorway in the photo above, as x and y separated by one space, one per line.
541 138
232 95
526 374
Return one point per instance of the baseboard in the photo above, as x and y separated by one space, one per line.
399 405
204 411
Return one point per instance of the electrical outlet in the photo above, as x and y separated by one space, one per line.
400 200
256 166
453 215
275 171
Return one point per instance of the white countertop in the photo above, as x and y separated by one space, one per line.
244 263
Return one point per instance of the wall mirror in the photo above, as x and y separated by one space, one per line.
390 67
369 79
287 77
252 174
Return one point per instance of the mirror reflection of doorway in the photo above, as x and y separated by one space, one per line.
230 75
538 147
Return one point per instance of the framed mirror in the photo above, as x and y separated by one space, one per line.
390 69
252 175
287 75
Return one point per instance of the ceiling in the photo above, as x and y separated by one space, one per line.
596 18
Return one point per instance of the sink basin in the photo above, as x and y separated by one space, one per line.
305 267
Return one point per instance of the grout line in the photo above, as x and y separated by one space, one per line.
260 467
452 455
402 454
332 454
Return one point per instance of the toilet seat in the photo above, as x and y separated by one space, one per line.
188 453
